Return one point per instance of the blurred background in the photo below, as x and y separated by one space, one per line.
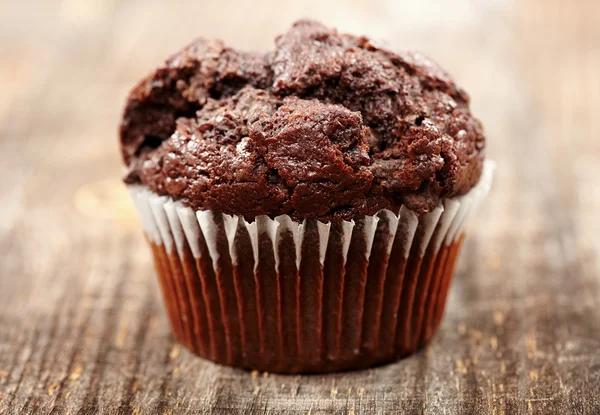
531 67
72 251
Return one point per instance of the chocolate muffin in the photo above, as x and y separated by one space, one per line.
305 206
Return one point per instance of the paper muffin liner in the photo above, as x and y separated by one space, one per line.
283 296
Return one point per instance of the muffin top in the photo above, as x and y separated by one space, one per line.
326 126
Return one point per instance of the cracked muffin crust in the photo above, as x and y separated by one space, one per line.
326 126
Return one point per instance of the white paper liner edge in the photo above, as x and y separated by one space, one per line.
172 224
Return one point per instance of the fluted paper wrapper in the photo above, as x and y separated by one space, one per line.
283 296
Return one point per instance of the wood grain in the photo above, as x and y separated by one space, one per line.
82 328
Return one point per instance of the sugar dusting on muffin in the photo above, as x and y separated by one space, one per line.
325 126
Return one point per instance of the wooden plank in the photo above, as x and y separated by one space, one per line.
82 327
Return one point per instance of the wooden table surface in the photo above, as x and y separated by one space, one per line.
82 327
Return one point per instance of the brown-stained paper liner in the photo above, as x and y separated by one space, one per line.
283 296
